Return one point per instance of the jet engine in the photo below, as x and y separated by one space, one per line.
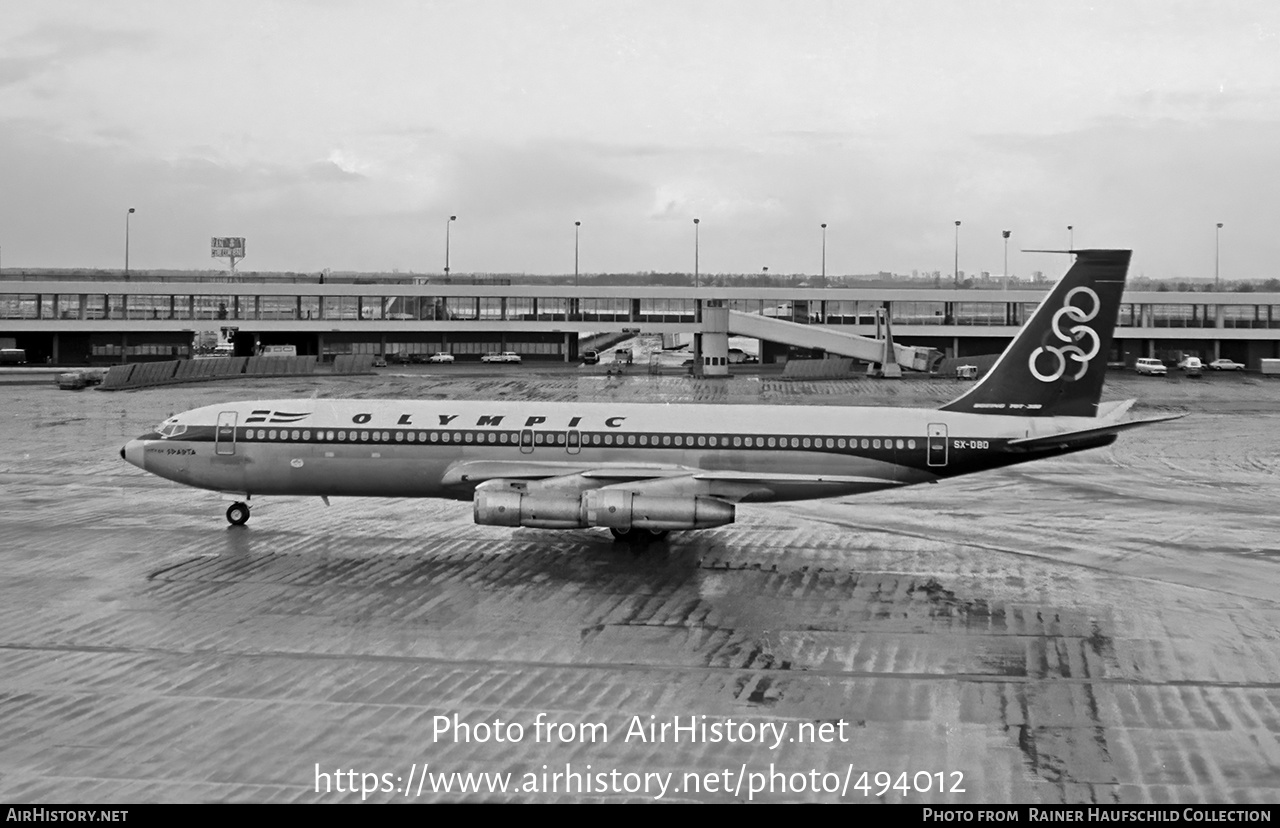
515 508
619 509
614 508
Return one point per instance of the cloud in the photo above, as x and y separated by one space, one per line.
50 47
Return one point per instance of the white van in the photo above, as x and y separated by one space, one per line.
1154 367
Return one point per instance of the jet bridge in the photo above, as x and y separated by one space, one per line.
882 351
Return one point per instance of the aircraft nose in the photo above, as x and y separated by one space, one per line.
134 451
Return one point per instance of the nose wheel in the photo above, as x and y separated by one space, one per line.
237 513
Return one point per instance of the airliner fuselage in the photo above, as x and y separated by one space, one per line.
405 448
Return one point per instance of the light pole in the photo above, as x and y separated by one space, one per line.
956 270
126 243
695 252
576 225
1217 231
824 254
1071 237
451 220
1006 233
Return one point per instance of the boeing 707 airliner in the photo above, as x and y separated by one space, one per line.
642 470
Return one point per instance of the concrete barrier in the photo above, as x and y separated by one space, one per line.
144 374
141 374
353 364
160 372
117 376
829 368
230 366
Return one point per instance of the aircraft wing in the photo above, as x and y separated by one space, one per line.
473 472
1065 439
656 479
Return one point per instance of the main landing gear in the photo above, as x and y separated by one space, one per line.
639 537
237 513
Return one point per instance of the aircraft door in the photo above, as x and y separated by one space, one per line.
574 441
526 441
937 444
224 436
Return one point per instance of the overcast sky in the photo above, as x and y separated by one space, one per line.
343 134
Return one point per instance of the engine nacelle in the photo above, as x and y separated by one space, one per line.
513 508
620 509
613 508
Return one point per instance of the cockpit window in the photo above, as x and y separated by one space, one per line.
171 430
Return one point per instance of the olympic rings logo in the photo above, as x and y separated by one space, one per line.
1077 333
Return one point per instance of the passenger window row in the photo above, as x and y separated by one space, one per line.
559 438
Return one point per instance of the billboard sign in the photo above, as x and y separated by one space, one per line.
227 246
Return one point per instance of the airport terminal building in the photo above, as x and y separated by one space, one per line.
102 322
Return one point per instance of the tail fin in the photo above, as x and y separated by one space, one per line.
1054 366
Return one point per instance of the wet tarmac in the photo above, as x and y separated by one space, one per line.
1103 627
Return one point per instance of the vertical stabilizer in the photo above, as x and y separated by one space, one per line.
1055 365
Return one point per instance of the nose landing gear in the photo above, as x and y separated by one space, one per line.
238 513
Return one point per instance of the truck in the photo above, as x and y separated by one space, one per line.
13 356
1271 367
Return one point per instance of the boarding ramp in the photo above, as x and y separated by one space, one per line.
833 342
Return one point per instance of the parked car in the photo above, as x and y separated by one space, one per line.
1225 365
505 356
441 357
590 357
379 362
1192 366
1151 367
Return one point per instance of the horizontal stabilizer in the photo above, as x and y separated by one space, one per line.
1069 438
